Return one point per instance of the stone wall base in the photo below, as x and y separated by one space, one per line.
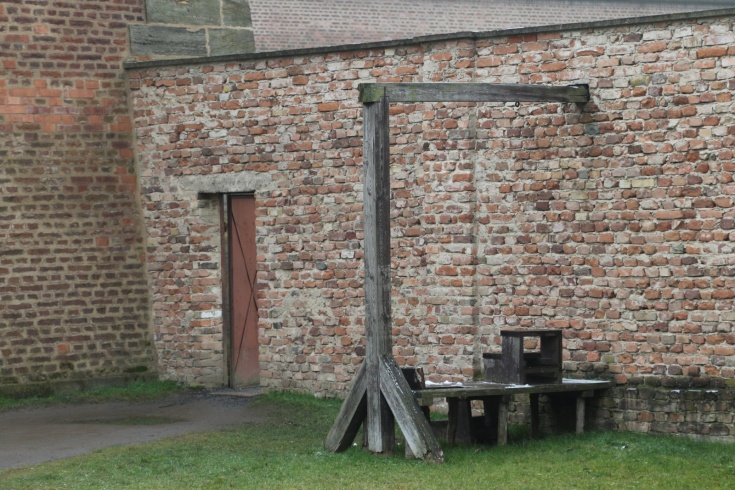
72 386
693 412
699 413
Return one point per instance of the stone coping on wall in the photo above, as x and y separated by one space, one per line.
474 35
227 183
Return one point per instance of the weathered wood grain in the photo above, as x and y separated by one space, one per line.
481 389
473 92
412 421
581 403
535 419
503 420
512 364
350 416
376 163
490 405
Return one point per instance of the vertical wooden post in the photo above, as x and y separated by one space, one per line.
511 360
380 392
581 404
376 161
535 419
503 421
579 429
460 420
491 407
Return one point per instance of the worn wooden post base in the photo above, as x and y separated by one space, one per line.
419 436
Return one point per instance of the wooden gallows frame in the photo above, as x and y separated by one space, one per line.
380 394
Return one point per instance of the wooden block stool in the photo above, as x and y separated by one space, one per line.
513 366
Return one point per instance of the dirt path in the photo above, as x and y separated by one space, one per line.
31 436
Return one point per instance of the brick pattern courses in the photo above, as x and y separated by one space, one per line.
612 222
73 293
306 23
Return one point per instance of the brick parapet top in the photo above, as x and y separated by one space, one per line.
475 36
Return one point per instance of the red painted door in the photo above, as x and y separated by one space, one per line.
244 367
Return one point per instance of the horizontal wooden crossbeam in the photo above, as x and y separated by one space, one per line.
472 92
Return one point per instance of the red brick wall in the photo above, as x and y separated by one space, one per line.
612 221
73 295
307 23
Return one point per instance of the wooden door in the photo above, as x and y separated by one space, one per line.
244 366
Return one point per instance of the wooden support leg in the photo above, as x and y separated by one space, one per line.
453 404
460 418
490 407
534 415
580 414
464 423
503 421
581 405
426 410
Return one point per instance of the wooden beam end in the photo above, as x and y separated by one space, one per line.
371 92
583 93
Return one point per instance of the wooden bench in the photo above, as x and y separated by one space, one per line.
493 426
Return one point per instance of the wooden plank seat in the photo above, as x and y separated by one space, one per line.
492 427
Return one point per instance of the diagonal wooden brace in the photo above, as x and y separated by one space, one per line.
351 415
411 419
403 406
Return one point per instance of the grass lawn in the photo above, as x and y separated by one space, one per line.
286 452
135 392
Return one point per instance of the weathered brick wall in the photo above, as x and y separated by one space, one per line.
612 221
305 23
73 295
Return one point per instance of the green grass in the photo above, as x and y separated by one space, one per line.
286 451
135 392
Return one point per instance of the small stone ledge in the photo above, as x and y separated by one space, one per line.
227 183
166 40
